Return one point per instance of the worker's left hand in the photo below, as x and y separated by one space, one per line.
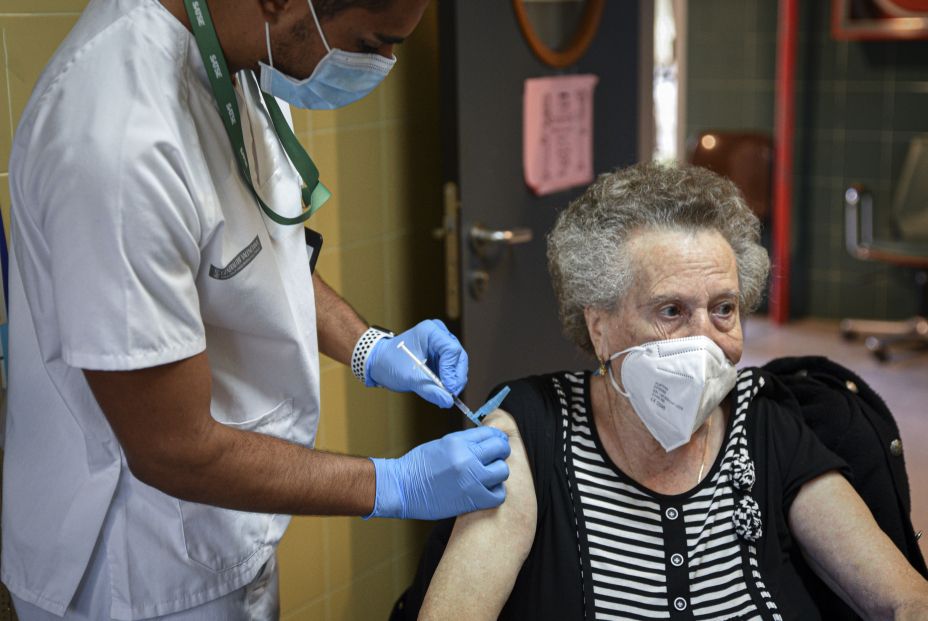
430 340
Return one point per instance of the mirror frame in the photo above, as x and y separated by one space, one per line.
579 42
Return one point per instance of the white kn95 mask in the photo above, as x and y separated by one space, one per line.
673 385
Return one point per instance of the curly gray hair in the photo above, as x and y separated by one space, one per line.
587 258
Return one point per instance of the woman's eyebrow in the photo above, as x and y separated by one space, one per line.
659 299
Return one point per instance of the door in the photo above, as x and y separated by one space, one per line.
508 316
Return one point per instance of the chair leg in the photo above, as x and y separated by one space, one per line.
883 335
851 328
916 338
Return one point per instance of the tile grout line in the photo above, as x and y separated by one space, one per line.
384 214
41 14
9 90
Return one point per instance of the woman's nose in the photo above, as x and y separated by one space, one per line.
701 324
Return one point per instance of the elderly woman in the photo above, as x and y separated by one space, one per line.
666 484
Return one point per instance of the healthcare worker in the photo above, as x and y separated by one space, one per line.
165 325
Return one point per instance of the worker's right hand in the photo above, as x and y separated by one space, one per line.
461 472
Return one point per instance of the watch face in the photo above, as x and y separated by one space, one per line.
384 330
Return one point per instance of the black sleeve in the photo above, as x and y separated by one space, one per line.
796 454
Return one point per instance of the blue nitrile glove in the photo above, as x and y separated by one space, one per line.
430 341
461 472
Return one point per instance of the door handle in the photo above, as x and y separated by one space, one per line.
481 235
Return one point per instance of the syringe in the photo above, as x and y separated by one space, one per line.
425 369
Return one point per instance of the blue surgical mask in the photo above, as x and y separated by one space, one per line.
340 78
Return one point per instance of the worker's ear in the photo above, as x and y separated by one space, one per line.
273 9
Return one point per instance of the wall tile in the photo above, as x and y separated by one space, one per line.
42 6
863 160
6 113
365 112
829 56
866 110
358 546
302 564
825 108
868 61
349 161
302 122
823 299
29 44
911 61
910 110
398 262
363 283
376 602
316 611
825 155
30 41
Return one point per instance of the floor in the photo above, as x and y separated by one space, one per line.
902 382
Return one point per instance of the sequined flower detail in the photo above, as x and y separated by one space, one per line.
748 523
742 471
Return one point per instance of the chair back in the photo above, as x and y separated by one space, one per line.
746 158
910 199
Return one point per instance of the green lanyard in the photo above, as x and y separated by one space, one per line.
314 193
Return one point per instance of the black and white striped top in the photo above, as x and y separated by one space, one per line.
654 556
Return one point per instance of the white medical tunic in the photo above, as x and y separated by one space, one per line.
135 243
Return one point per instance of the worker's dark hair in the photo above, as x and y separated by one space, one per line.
329 8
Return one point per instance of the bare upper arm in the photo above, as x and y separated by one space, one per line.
846 547
159 414
487 548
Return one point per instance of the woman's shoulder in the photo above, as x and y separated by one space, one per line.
765 385
537 398
537 403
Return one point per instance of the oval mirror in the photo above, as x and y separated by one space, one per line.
558 31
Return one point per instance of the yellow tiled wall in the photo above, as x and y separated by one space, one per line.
380 158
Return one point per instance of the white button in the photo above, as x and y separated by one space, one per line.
676 560
671 513
679 603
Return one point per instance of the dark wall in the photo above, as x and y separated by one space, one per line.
858 106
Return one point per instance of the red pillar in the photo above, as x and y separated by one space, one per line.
785 122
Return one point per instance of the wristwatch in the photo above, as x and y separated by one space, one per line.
363 347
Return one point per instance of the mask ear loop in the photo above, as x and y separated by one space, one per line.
318 26
267 38
615 384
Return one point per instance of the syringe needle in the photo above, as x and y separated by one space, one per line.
425 369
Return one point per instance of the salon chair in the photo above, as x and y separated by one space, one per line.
907 248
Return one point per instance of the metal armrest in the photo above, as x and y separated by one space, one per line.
858 234
858 220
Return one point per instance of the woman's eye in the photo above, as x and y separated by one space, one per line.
670 312
725 310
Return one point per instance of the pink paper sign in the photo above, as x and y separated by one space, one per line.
557 132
